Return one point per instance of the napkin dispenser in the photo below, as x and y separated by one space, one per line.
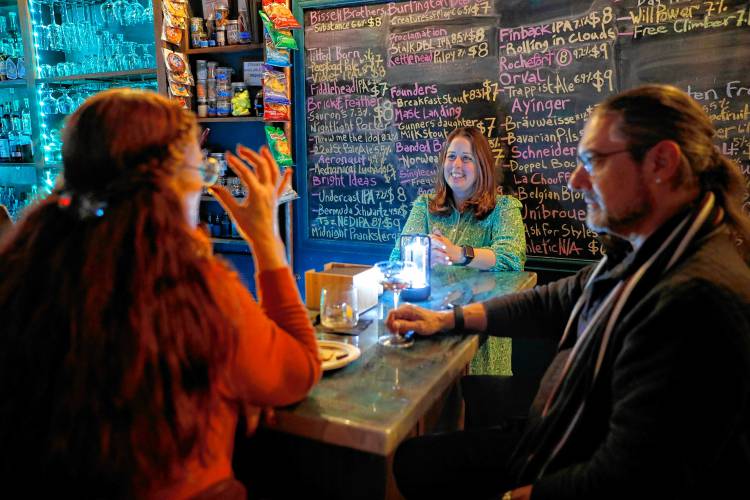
339 274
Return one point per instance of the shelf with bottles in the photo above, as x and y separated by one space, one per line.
16 136
91 37
222 26
12 58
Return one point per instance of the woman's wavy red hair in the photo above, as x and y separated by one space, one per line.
113 337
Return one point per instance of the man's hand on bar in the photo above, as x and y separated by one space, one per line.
420 320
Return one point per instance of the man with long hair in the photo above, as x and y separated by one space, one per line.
649 394
127 350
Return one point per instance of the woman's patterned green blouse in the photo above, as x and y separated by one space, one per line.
502 231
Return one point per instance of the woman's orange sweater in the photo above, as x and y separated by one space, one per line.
276 364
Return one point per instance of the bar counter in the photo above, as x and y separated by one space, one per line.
339 442
373 403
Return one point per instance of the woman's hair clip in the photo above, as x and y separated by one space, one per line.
86 207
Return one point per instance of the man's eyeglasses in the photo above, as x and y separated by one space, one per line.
209 170
589 158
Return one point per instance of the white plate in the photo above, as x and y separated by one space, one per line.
335 354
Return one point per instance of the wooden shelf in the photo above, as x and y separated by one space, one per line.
111 75
13 83
226 49
230 119
229 241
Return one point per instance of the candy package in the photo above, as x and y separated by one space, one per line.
282 39
274 86
275 56
279 146
175 8
276 112
170 34
280 14
179 90
174 21
241 103
178 70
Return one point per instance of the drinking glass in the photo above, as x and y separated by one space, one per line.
338 307
396 275
48 103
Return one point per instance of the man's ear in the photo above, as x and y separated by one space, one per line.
662 162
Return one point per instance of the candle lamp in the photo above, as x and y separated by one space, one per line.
416 248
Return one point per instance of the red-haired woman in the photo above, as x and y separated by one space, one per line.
127 349
470 224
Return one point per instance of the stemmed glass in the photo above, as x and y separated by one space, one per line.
65 105
396 275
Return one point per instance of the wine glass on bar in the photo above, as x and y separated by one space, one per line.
396 275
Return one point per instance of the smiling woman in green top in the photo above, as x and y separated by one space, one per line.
471 225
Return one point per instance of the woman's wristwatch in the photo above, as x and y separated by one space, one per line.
468 254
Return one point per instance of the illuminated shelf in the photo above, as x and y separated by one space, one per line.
9 164
226 49
110 75
13 83
230 119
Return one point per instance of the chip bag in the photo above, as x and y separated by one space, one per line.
282 39
279 146
275 56
274 86
276 112
280 14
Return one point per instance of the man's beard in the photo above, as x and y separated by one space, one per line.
602 220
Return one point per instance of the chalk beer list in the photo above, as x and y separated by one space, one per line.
386 83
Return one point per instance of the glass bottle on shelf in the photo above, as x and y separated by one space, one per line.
15 137
4 143
11 71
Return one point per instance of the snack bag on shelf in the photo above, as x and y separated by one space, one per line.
175 8
170 34
275 86
282 39
178 70
173 20
280 14
179 90
279 146
275 56
276 112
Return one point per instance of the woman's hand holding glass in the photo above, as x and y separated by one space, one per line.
256 216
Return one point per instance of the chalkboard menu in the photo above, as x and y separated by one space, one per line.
385 83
